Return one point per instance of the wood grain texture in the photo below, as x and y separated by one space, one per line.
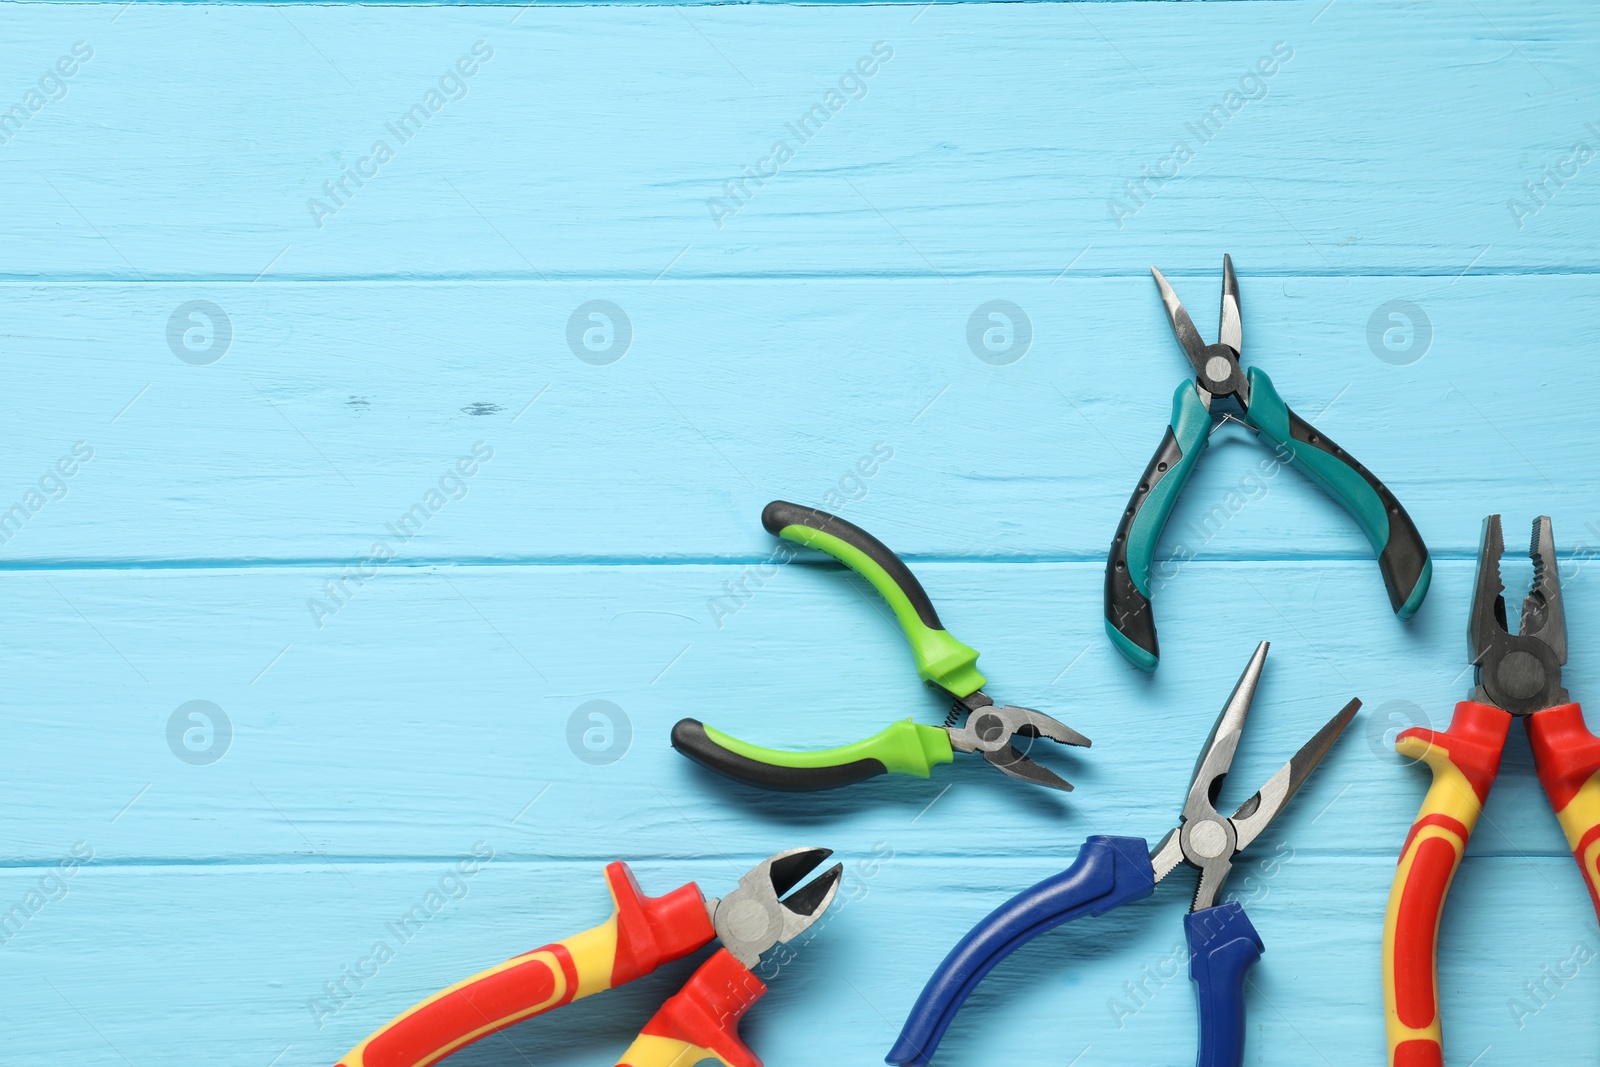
991 142
215 537
337 408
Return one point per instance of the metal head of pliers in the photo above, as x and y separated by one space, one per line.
1521 672
1208 841
1216 367
757 915
990 730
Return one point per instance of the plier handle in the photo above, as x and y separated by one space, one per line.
1517 676
975 723
1112 871
699 1022
1223 389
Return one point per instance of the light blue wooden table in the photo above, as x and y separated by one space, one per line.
261 343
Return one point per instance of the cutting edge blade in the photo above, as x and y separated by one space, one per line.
762 912
1255 814
1008 760
1027 722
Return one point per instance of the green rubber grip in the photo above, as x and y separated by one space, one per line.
1191 428
1402 557
941 659
905 747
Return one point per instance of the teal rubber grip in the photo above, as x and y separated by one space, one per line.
1129 620
1402 556
1191 427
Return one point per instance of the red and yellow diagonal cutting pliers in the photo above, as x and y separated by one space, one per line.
700 1022
1518 676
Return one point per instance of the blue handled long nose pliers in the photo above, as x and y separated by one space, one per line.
1111 871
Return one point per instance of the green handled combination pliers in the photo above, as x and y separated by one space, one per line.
1222 389
906 747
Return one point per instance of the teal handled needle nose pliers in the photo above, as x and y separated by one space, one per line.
906 747
1112 871
1223 390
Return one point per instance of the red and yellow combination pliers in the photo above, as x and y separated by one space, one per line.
1518 676
700 1022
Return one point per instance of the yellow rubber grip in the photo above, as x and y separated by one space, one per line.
641 934
648 1050
1464 760
493 999
1567 757
1580 821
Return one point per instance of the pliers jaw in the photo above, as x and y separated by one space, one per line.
1218 374
1205 839
757 915
1519 673
989 730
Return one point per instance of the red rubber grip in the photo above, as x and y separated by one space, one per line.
1464 760
644 933
703 1017
1567 757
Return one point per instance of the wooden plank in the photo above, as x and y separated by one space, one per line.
609 549
539 168
337 408
436 707
95 975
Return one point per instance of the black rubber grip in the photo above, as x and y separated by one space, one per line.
780 514
1127 609
689 737
1405 555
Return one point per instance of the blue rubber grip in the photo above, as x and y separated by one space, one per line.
1108 872
1222 947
